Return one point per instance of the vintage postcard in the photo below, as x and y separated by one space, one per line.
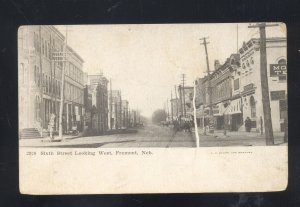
153 108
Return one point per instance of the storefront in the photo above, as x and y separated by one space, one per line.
217 111
234 116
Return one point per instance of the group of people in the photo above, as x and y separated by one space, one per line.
182 124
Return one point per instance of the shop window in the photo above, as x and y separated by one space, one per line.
252 107
283 109
282 77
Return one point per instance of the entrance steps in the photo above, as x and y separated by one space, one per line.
31 133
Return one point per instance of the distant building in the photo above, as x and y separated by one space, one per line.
186 95
96 104
175 107
125 114
115 102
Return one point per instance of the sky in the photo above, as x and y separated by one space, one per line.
145 62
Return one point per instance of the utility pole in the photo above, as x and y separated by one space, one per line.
168 108
41 81
183 91
176 101
171 105
62 86
110 104
208 77
264 82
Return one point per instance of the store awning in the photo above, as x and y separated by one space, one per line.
218 109
234 107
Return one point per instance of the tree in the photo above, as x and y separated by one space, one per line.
158 116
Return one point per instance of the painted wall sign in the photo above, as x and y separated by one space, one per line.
277 70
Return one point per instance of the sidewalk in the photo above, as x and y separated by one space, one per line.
241 134
235 138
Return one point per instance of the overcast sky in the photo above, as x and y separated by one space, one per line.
146 61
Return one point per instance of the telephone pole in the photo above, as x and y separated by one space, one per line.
42 104
264 82
167 108
110 104
208 77
62 86
171 105
183 91
176 101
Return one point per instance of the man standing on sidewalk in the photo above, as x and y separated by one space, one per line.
51 126
248 124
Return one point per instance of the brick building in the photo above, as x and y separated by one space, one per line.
40 77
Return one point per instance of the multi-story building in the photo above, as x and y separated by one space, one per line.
40 76
236 88
99 110
115 114
175 107
221 90
249 80
186 95
125 115
73 91
88 107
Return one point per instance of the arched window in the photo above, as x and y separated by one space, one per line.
38 75
35 74
49 50
49 86
252 107
43 51
282 61
46 83
43 82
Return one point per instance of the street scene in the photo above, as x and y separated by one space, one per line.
114 86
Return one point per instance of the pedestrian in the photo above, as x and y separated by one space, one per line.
248 124
261 126
51 125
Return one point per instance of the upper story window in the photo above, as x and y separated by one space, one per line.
282 62
252 60
247 63
236 84
244 66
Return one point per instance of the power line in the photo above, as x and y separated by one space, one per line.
209 89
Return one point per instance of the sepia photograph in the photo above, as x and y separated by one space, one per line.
156 86
152 108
